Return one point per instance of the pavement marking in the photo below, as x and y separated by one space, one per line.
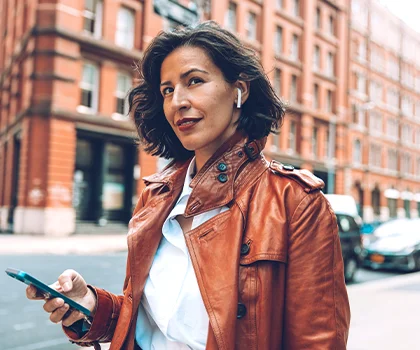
42 345
23 326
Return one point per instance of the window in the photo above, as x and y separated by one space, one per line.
293 89
277 81
392 159
295 8
92 17
376 195
392 97
361 50
331 25
361 83
418 167
329 104
124 35
375 155
358 115
317 59
375 91
407 134
393 68
357 152
392 128
295 47
315 141
292 136
407 106
278 41
89 88
318 18
330 64
315 99
375 123
251 30
406 164
231 17
123 85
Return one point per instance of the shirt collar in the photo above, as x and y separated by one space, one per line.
186 190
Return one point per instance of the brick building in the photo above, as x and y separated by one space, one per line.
67 150
382 164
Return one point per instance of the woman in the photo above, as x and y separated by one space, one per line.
225 250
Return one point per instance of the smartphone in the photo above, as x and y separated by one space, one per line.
46 291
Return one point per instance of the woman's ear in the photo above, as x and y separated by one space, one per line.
244 87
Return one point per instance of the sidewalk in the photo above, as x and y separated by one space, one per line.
74 244
385 314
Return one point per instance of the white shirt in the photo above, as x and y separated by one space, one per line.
171 314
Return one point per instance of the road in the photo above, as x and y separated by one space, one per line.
23 323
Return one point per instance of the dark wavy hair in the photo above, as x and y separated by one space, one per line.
262 113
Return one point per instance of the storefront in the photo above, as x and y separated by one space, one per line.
104 182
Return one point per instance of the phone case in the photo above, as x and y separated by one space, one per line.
46 291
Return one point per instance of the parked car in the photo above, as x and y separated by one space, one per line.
349 223
394 245
351 244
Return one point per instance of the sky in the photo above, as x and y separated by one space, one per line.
407 10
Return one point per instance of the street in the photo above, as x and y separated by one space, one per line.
23 323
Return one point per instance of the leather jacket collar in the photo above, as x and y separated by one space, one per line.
214 185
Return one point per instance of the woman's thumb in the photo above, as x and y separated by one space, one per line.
66 280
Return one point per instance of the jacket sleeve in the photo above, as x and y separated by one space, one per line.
108 308
317 312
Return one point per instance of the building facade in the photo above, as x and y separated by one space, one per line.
68 154
382 165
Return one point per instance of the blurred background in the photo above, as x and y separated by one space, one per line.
70 168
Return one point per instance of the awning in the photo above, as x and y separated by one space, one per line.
392 193
406 195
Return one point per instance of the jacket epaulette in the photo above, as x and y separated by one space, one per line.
304 177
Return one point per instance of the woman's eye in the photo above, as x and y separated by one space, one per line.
166 91
195 81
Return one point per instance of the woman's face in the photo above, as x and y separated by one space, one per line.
197 101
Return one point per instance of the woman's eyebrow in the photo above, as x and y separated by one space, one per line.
185 74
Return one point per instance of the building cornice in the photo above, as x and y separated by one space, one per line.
45 110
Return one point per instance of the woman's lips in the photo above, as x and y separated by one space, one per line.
187 124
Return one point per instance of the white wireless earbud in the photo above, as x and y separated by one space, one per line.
239 103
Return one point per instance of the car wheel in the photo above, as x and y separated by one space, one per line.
350 269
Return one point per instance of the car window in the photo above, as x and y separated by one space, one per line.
346 223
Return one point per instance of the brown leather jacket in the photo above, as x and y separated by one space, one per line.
270 269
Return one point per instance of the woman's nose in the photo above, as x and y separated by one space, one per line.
180 99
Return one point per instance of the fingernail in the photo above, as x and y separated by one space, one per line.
66 286
60 302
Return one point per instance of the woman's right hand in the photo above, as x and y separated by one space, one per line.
71 284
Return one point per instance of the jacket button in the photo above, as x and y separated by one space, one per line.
288 167
241 310
222 178
244 249
222 167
